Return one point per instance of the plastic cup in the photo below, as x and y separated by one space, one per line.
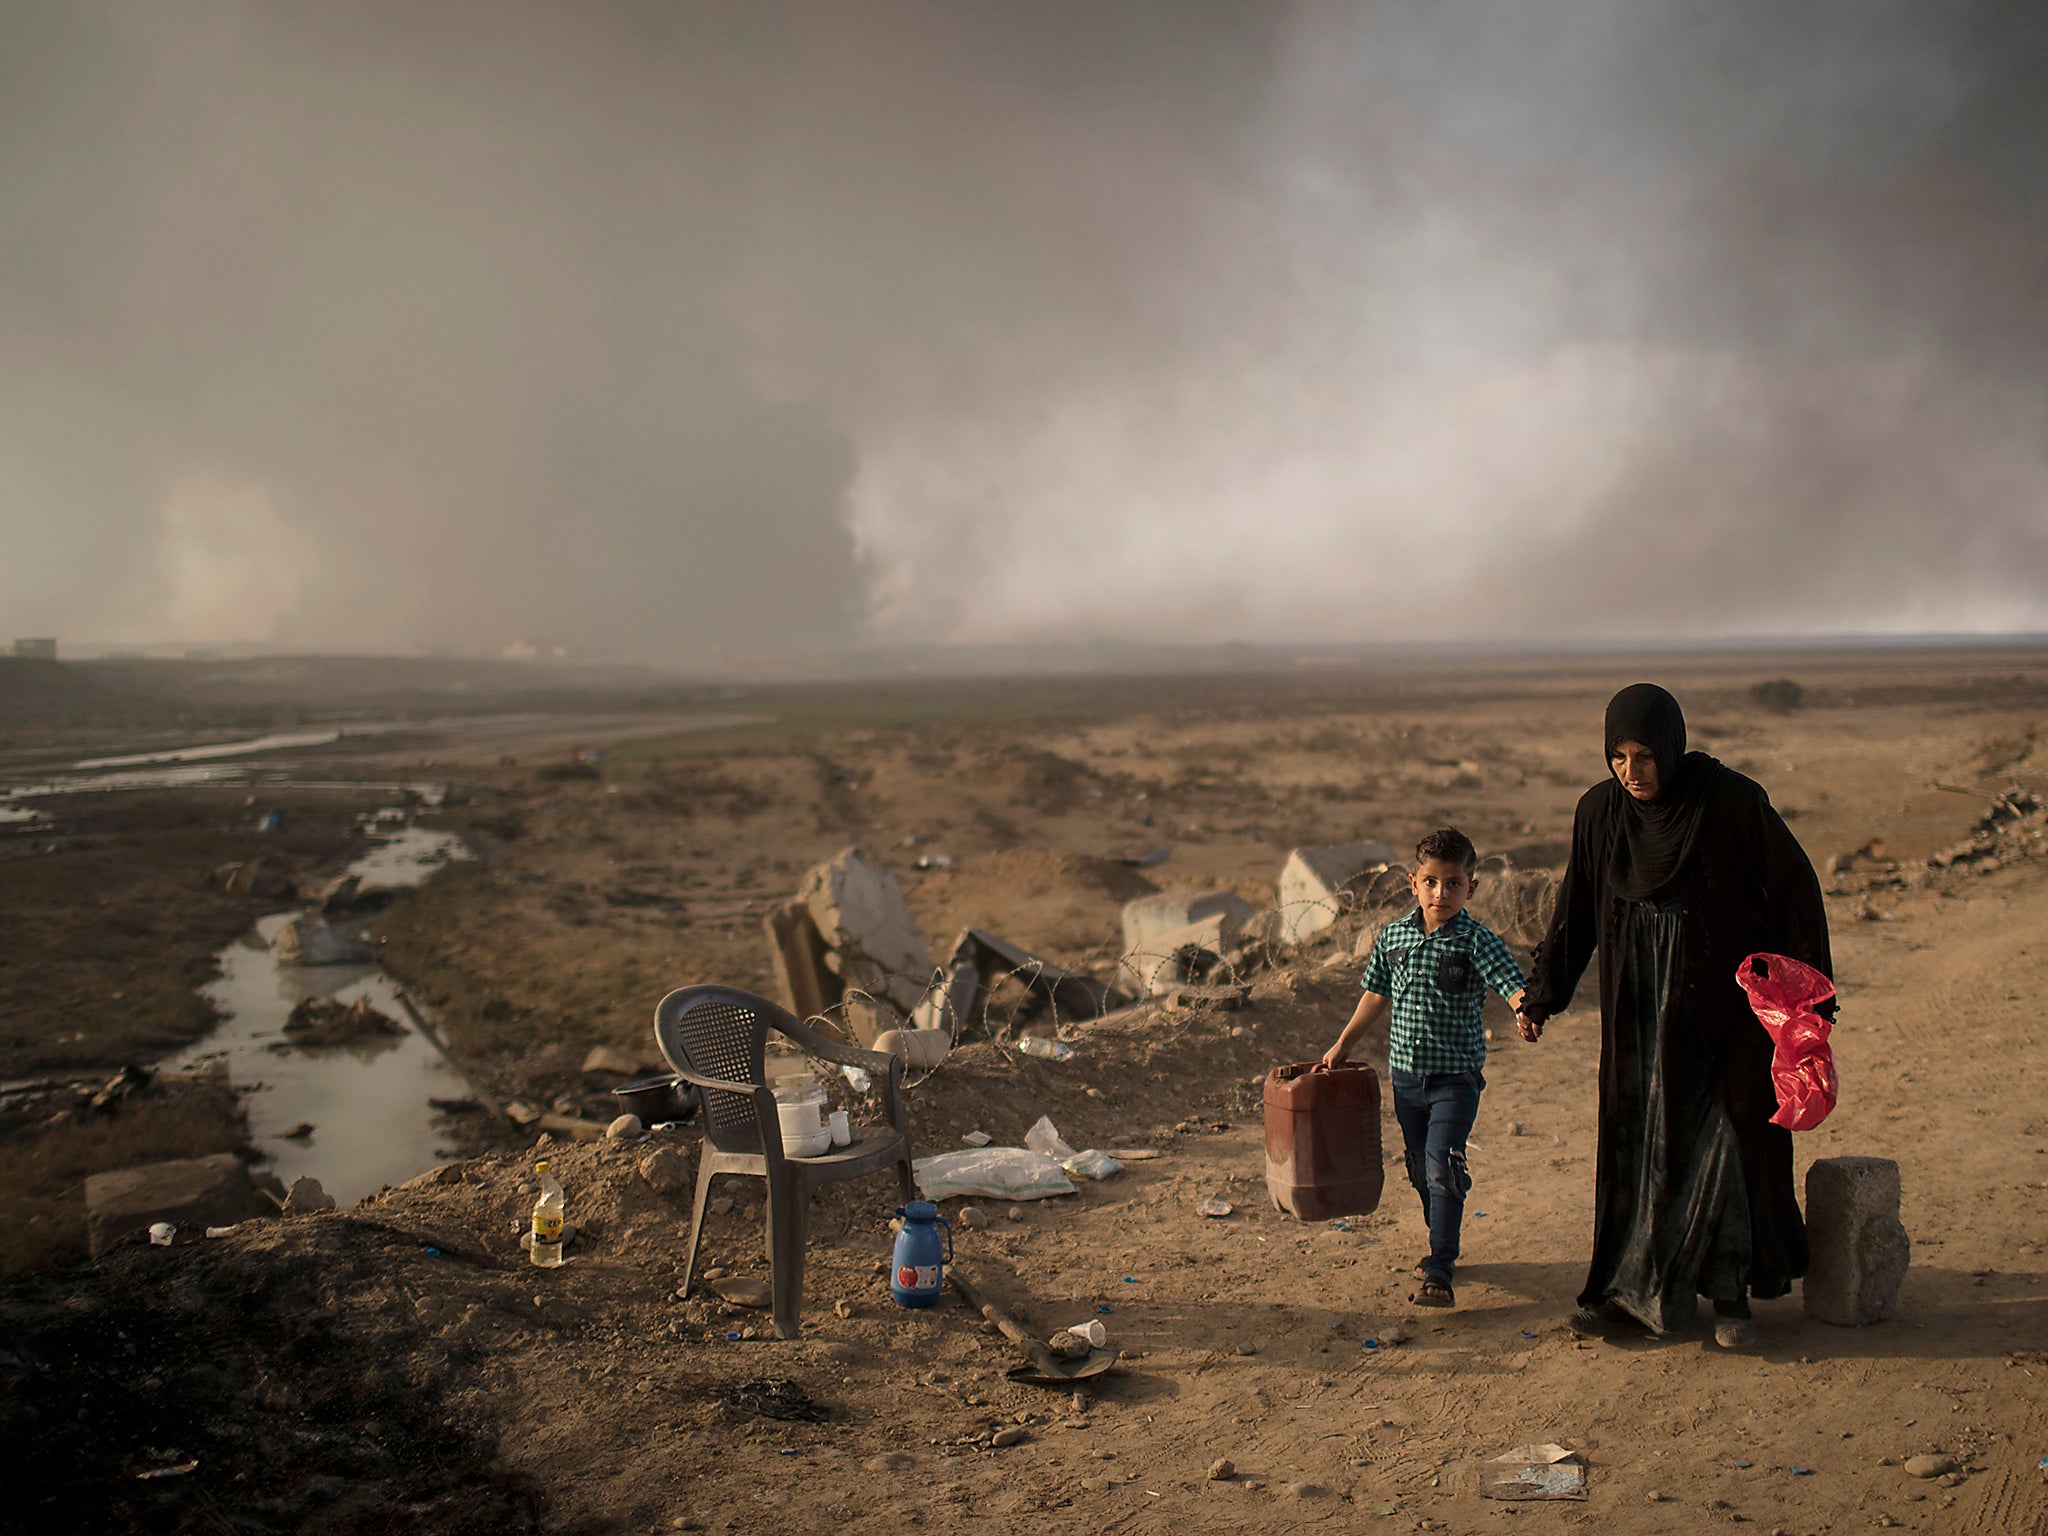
842 1128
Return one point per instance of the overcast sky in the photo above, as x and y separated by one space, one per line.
640 329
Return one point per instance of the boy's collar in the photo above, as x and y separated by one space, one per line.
1414 920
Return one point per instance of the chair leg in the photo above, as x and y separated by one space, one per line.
788 1230
906 1181
704 1178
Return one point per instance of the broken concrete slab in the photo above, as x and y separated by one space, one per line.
1183 956
1314 884
192 1193
809 985
307 1194
866 926
1859 1246
1151 919
980 960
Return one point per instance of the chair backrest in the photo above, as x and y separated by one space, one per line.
720 1032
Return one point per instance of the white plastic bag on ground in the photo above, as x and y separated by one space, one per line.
995 1173
1044 1138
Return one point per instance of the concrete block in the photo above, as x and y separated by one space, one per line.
1859 1246
1184 955
860 914
192 1194
1151 920
1313 882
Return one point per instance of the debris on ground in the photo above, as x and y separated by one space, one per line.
321 1021
775 1397
1533 1472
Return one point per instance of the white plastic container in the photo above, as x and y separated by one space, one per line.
801 1108
842 1128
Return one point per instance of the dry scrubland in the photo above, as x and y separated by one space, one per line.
332 1372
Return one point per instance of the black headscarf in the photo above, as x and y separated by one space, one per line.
1656 835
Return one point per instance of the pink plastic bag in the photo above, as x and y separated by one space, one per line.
1784 994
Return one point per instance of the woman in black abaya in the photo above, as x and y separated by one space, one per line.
1679 869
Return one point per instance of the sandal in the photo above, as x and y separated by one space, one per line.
1435 1292
1586 1323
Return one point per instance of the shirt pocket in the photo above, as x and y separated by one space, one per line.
1456 975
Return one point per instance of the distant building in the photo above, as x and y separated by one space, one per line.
41 647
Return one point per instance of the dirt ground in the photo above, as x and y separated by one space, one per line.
399 1366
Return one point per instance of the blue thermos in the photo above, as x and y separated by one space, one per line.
922 1253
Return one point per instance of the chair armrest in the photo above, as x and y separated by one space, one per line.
699 1080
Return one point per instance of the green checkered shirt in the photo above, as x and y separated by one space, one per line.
1438 982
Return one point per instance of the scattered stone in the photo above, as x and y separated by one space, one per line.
889 1461
1930 1464
625 1128
714 1272
1654 1496
609 1058
1015 1213
1068 1345
298 1132
306 1194
666 1171
1222 1469
1215 1207
843 1308
1395 1334
971 1216
1247 1347
1860 1249
740 1290
1013 1434
1514 1127
1303 1490
721 1205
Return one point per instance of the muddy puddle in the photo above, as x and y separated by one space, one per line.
368 1100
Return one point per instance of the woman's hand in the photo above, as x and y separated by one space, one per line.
1531 1028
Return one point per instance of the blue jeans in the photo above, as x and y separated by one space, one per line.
1436 1114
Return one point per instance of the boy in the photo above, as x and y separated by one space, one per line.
1432 967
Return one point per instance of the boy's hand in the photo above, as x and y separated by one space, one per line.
1532 1030
1334 1056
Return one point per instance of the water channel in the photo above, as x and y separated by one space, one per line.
367 1101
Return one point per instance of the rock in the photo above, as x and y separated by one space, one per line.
320 1021
1068 1345
625 1128
1860 1249
1014 1434
860 914
1303 1490
1930 1464
1314 883
842 1308
305 940
306 1194
889 1461
1015 1213
445 1173
1247 1347
715 1272
741 1290
666 1171
721 1205
1222 1469
194 1193
1395 1334
972 1216
606 1058
298 1132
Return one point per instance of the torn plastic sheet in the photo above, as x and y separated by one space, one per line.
1044 1137
995 1173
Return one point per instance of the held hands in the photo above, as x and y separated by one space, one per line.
1531 1028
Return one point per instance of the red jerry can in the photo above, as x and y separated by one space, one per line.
1323 1140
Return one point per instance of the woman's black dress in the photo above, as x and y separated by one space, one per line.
1693 1195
